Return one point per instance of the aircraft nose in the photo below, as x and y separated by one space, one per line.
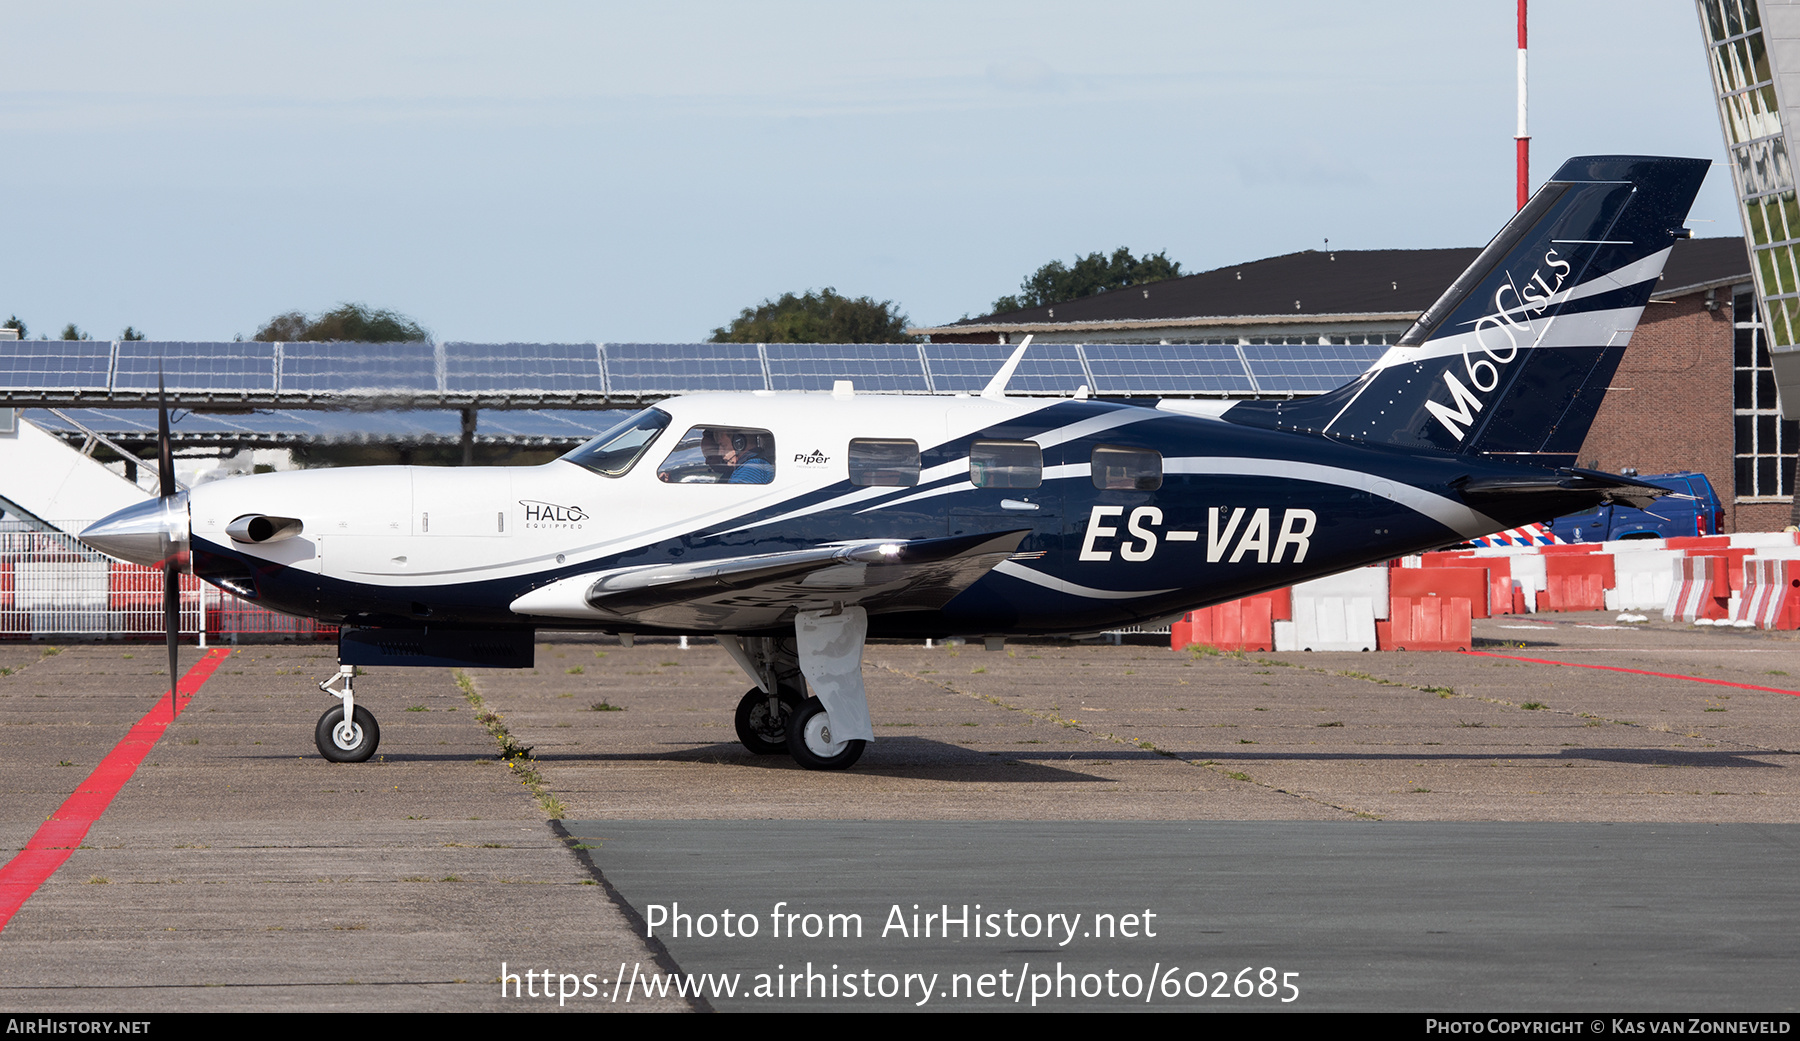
150 533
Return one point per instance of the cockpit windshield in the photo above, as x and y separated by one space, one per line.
622 445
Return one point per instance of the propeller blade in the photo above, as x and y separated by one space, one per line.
165 455
172 626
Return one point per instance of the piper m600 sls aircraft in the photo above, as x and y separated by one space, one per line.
796 526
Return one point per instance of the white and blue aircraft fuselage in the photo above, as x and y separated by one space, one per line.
796 526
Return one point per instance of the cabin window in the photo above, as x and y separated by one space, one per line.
1006 464
1127 469
620 446
721 455
884 463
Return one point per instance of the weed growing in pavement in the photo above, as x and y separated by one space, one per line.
517 757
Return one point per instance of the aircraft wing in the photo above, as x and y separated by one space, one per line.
765 590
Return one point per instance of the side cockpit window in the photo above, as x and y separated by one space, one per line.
620 446
884 463
721 455
1006 464
1127 469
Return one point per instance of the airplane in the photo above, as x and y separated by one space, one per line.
795 527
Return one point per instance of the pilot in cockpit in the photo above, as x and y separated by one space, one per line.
721 455
738 456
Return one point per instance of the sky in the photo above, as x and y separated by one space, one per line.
576 172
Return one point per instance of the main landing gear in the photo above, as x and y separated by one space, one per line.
763 719
825 732
811 744
340 741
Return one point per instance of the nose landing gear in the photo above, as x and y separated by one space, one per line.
346 733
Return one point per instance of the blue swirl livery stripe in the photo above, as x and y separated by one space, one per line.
1448 512
1038 578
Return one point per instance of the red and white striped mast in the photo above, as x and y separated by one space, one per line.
1523 139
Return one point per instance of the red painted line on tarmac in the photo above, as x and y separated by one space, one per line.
68 826
1637 672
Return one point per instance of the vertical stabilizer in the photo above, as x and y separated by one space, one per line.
1514 358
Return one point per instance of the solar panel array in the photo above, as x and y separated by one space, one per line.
518 368
194 367
527 375
1307 368
69 365
359 368
889 368
965 368
677 368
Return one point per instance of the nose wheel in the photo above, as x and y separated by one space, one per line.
351 742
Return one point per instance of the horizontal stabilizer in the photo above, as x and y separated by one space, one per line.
1561 486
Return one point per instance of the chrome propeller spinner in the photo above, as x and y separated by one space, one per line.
152 533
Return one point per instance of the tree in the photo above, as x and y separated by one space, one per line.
821 317
357 323
131 334
71 333
14 323
1095 273
285 328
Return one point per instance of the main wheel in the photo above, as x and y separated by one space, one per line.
809 740
762 730
346 744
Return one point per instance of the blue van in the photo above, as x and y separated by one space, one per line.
1691 508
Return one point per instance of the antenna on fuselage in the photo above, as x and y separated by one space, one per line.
996 388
